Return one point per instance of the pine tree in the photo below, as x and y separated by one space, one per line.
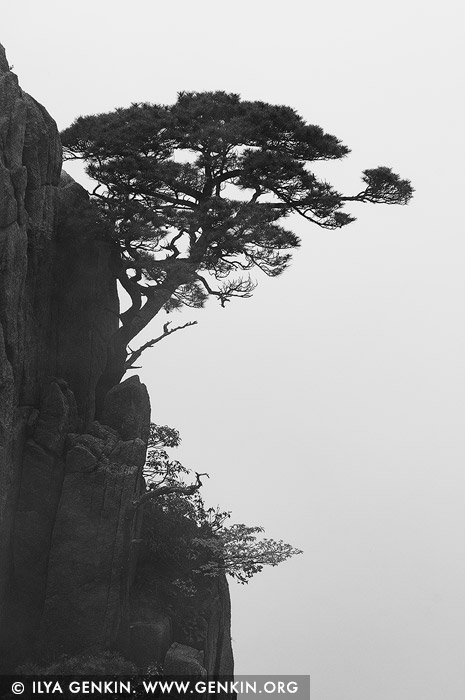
195 194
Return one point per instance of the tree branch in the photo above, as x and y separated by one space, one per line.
167 490
213 292
135 354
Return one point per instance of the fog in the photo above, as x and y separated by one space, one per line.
330 407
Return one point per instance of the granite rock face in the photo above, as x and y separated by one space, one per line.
149 641
68 527
42 474
201 621
183 660
89 567
84 304
125 410
58 308
218 648
30 164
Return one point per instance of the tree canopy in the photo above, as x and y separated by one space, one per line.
195 195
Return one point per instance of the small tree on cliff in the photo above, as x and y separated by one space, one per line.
194 537
195 195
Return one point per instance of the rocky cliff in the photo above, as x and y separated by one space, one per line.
67 482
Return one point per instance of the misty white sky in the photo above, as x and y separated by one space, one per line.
330 407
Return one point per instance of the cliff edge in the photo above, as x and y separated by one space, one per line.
68 564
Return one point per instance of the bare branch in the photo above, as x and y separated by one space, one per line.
234 288
167 490
135 354
214 292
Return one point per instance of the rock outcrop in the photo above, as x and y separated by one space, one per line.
42 473
64 490
69 530
182 660
30 164
89 567
218 649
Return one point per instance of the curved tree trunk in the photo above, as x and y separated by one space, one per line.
117 349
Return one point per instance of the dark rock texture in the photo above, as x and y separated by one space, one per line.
160 615
182 660
125 410
90 555
58 308
85 307
150 641
69 532
30 164
41 483
218 648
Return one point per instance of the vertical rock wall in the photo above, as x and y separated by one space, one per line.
58 309
89 567
218 649
30 164
67 482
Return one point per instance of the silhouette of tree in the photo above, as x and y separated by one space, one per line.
195 195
